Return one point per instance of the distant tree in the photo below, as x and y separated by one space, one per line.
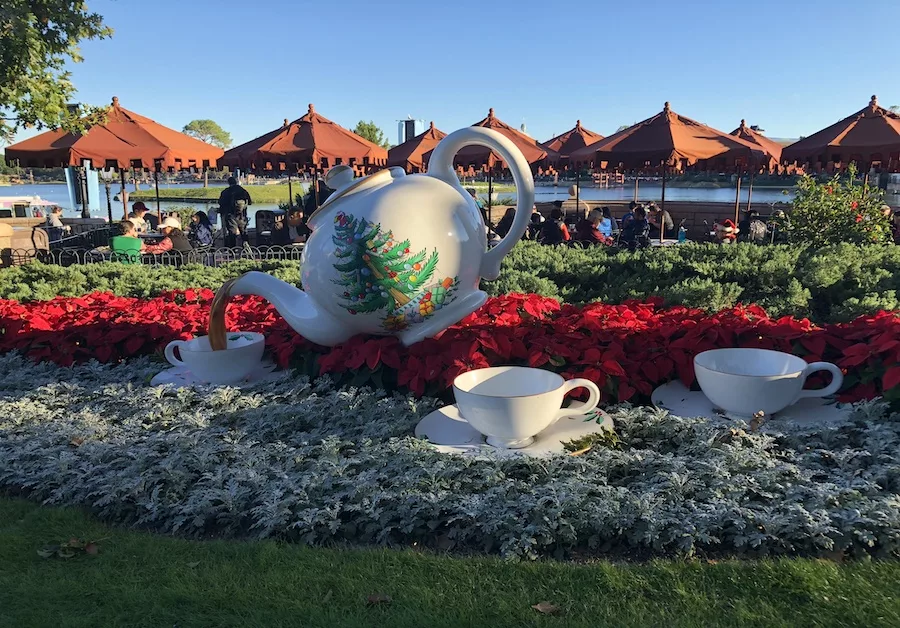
370 131
895 108
37 39
208 131
623 127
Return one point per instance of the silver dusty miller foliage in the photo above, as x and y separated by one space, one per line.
303 462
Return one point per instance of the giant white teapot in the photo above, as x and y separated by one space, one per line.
392 253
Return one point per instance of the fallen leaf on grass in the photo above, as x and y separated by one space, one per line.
546 608
48 552
76 441
377 599
70 549
327 597
193 565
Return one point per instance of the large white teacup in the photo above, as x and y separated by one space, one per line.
231 365
746 381
511 404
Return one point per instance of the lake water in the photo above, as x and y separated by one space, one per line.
58 195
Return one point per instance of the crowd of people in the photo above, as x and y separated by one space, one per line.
595 227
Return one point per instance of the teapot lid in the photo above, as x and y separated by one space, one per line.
346 185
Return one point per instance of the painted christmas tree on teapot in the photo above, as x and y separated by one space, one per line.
381 274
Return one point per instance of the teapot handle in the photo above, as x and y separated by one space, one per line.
441 167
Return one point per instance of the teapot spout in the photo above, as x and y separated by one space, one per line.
296 307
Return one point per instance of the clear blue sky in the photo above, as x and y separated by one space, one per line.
791 66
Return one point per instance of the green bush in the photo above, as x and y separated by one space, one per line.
36 281
830 284
839 210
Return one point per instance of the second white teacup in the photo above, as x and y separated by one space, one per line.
240 358
743 382
511 404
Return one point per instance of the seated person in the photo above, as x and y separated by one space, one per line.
608 225
126 248
636 234
55 227
662 219
173 239
534 227
554 230
297 229
506 222
588 230
726 232
200 233
137 217
629 215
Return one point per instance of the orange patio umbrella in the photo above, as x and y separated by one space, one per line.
312 142
574 139
410 155
125 140
670 140
772 148
478 157
773 151
871 135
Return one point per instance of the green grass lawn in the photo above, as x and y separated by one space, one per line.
259 193
139 579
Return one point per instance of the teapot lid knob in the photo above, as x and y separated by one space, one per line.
339 177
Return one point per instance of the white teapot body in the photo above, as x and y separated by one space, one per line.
399 254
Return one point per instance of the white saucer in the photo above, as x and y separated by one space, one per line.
681 401
448 432
180 376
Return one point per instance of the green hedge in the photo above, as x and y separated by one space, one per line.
36 281
831 284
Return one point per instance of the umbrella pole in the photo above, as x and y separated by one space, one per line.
156 183
315 184
577 193
750 192
635 187
662 204
290 194
124 193
108 203
737 201
82 183
490 203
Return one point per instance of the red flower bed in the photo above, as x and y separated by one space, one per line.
626 349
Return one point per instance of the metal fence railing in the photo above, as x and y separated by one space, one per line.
206 257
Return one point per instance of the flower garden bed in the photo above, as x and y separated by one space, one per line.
285 459
626 349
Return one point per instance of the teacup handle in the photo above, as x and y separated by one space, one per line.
833 387
170 352
588 405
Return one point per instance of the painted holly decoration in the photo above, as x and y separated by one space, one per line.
382 273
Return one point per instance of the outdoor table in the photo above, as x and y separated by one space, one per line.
151 235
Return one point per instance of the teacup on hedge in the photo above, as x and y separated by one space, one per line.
512 404
746 381
240 358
